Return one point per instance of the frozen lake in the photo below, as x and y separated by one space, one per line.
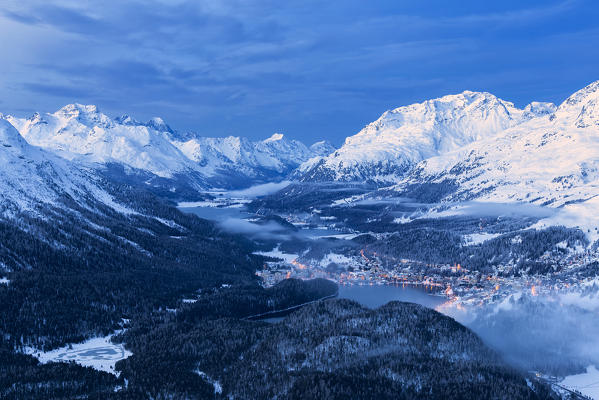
99 353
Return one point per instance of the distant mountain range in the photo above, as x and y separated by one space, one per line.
552 159
159 155
468 146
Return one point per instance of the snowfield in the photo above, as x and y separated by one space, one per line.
99 353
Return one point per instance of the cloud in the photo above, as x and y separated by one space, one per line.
534 333
65 91
260 190
253 68
489 209
265 231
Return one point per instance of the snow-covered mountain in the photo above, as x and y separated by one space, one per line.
31 178
159 155
389 147
552 160
234 158
84 133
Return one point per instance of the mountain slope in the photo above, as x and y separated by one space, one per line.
79 252
31 176
390 146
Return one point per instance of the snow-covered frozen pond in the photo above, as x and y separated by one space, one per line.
98 353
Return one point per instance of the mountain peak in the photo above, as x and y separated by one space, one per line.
588 92
275 137
582 107
322 148
86 114
127 120
386 148
158 124
76 109
539 108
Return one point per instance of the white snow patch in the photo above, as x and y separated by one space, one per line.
478 238
170 224
328 218
348 200
341 236
218 389
276 253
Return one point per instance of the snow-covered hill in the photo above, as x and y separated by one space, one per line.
157 154
389 147
31 178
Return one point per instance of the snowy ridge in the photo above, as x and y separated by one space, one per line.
84 134
273 156
389 147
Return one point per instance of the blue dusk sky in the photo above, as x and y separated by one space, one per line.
309 69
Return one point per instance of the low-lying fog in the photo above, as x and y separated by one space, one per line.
557 335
